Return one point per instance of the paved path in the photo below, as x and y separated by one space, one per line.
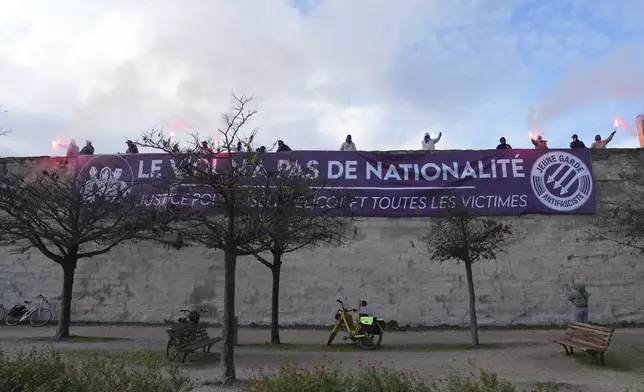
525 357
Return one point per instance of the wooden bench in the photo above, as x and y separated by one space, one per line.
186 339
591 339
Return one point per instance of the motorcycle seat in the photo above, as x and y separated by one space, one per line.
27 302
365 315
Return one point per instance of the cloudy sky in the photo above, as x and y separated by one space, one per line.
384 71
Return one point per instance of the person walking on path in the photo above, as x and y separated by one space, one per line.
578 296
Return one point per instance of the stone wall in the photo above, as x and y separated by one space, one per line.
145 282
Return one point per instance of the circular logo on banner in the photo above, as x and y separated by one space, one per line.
108 174
561 181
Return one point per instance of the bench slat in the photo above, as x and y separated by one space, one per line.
189 337
595 328
585 332
587 344
200 344
579 346
601 340
587 337
591 339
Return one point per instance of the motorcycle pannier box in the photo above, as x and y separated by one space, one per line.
370 324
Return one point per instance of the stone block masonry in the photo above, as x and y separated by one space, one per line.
526 285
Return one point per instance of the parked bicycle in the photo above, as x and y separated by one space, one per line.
367 333
37 314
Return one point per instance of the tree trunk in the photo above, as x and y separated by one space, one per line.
64 320
275 300
470 287
228 323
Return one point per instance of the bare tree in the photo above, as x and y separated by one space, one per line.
292 230
49 211
621 219
466 237
231 189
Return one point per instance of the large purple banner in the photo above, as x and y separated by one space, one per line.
499 182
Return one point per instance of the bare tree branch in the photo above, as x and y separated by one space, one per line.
466 237
65 221
231 217
247 208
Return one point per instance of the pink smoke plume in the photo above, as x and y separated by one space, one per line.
619 77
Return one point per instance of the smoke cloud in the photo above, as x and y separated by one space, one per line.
620 77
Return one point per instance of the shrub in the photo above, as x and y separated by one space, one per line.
371 378
48 372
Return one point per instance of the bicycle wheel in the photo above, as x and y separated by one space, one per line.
2 313
171 350
40 317
370 341
12 320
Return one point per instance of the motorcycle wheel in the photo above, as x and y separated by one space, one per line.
370 342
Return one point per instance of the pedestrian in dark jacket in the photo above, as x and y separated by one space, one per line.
503 145
131 148
576 143
578 296
281 147
88 149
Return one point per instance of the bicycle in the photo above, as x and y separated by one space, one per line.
20 313
367 333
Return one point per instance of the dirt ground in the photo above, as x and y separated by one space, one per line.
526 357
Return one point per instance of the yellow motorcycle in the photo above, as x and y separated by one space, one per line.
367 332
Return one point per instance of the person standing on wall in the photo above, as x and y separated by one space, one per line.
348 144
429 144
504 145
131 147
599 143
281 147
88 149
578 296
72 149
539 143
576 143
